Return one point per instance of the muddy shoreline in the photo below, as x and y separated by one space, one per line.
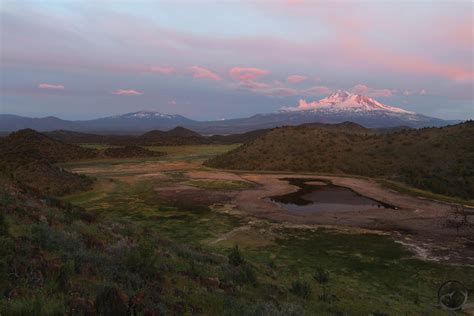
417 223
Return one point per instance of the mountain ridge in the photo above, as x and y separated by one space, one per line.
338 107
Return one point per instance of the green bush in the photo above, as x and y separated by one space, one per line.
111 301
235 256
321 275
301 288
66 273
3 225
142 260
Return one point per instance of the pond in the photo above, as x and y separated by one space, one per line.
316 195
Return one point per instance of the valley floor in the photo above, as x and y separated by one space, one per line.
379 261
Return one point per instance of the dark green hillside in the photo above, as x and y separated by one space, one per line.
29 145
238 138
71 137
30 155
174 137
440 160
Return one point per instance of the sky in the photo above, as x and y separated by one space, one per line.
82 59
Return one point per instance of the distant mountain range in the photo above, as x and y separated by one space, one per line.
339 107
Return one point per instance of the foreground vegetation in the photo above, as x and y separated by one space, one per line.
126 252
121 248
440 160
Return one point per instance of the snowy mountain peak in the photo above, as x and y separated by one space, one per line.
341 101
146 115
338 96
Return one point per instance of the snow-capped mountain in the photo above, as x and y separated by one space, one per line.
147 115
341 101
341 106
138 121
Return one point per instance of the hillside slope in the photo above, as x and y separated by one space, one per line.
59 259
173 137
71 137
237 138
437 159
30 156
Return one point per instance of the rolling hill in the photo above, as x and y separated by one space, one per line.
176 136
30 157
26 145
237 138
72 137
440 160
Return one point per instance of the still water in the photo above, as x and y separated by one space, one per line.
317 195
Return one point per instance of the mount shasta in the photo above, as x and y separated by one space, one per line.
338 107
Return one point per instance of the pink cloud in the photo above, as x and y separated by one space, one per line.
303 105
372 92
423 92
201 72
50 86
296 78
126 92
345 27
317 90
246 74
163 69
275 90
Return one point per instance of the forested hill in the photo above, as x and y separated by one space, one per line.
437 159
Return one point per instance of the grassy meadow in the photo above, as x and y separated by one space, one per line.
319 271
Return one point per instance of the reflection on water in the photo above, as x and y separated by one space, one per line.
316 195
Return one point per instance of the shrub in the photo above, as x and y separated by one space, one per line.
43 236
243 274
111 301
235 256
3 225
321 276
7 252
66 273
247 275
142 260
301 288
